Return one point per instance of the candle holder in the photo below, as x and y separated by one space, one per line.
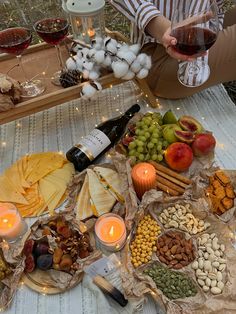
12 225
110 232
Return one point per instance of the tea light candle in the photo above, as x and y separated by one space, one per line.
144 178
12 226
110 231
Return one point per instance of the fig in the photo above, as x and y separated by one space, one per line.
41 248
29 263
169 118
169 132
126 140
28 247
188 123
184 136
44 262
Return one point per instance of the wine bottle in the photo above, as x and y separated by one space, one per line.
99 140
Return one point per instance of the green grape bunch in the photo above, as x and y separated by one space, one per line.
148 143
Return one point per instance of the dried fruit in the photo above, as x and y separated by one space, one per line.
57 255
188 123
41 248
83 253
44 262
28 247
184 136
66 262
29 263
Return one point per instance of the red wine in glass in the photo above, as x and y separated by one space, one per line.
15 40
193 40
52 30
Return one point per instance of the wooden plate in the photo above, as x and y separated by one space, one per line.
41 282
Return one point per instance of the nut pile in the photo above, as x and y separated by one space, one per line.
174 250
181 217
5 269
145 241
210 265
173 284
221 192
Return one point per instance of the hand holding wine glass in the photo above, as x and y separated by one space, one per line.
192 34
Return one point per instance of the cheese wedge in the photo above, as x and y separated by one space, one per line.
102 200
111 181
13 175
83 207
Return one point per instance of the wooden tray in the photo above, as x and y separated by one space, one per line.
41 61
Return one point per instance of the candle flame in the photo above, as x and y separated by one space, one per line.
145 171
5 220
111 232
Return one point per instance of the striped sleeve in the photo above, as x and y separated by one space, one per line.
139 12
221 13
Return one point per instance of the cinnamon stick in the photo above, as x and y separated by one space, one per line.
166 189
170 185
170 172
172 179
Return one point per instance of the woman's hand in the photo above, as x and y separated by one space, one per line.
169 43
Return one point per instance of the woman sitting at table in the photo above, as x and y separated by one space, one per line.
151 21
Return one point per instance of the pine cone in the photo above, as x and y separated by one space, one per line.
70 78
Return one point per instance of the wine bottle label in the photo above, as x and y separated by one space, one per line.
93 144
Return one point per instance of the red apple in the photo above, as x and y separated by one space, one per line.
203 144
179 156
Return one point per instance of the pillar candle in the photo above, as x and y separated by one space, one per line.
144 178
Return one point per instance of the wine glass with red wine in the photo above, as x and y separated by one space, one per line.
14 41
195 27
53 31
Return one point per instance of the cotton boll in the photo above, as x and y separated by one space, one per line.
120 68
135 66
91 53
129 56
111 48
148 63
124 48
107 61
129 75
135 48
79 54
80 63
85 52
71 64
93 75
88 65
88 90
142 73
99 56
85 74
97 85
142 58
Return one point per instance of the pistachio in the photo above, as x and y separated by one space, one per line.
220 285
208 282
195 265
205 288
222 267
216 264
219 276
201 282
207 265
222 247
213 283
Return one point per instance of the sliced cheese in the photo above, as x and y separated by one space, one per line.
13 175
103 201
8 192
83 207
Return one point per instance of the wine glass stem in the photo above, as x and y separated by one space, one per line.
59 56
20 63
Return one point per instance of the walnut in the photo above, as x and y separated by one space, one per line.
10 92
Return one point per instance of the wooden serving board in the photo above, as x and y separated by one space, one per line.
41 61
41 282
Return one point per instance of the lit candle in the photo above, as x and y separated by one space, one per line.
91 32
110 232
12 226
144 178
